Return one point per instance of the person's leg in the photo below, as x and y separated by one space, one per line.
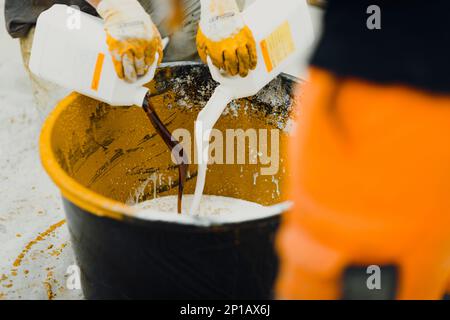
46 94
182 46
371 185
243 4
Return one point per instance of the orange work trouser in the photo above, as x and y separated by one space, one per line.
370 168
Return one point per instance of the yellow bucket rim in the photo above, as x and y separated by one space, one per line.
72 190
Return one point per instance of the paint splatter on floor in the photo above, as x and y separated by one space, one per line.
42 255
36 240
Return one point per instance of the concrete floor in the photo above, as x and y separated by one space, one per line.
29 203
33 260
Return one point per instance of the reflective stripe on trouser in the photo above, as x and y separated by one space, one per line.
370 178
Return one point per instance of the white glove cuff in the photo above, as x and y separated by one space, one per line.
220 19
126 19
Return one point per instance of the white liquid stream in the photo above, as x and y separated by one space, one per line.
206 120
207 210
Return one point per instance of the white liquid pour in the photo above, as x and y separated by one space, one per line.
206 120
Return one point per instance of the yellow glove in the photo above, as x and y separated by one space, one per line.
132 38
223 36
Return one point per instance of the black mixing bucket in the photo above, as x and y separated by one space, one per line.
99 155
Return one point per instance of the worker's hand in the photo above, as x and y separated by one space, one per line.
223 36
132 38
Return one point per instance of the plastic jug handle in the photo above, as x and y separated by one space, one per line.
238 87
152 70
217 75
149 75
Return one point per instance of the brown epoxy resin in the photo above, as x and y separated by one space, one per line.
172 144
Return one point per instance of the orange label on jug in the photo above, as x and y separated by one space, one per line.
97 71
277 46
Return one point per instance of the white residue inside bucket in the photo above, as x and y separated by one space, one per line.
140 191
212 210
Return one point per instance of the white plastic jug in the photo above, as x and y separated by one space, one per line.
69 49
283 33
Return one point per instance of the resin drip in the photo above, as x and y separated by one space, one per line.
173 145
